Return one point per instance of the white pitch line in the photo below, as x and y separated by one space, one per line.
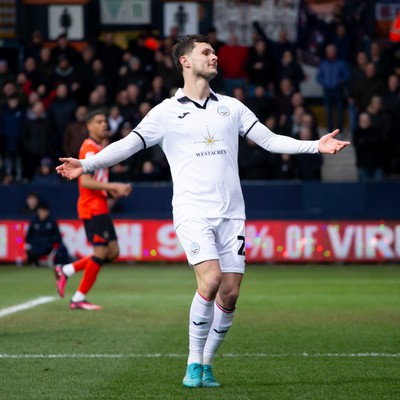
228 355
25 306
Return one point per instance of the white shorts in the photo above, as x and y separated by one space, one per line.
214 239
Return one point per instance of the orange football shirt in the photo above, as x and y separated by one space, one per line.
92 202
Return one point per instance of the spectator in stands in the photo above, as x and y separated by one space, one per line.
165 68
61 112
279 166
293 124
63 49
309 168
139 48
144 109
31 204
45 173
43 238
357 75
128 111
12 122
99 76
135 98
114 120
65 73
380 59
32 73
232 59
123 171
110 53
24 86
308 121
10 89
286 168
391 102
104 94
343 42
150 172
260 68
35 46
133 75
212 35
157 91
218 82
84 70
278 47
253 161
370 148
45 66
75 133
283 97
333 75
371 85
260 103
36 139
6 75
291 69
380 119
95 101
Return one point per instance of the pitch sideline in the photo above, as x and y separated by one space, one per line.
25 306
229 355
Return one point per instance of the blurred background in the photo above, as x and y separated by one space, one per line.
304 67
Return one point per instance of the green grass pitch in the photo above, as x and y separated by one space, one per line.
300 332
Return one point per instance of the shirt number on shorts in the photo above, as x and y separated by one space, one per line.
241 251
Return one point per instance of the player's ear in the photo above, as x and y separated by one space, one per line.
184 61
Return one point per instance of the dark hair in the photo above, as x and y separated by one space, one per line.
93 114
185 45
43 206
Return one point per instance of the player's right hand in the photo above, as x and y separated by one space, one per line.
71 168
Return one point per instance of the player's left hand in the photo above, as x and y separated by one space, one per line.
329 145
120 190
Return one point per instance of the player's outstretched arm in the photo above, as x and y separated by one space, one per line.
71 168
329 145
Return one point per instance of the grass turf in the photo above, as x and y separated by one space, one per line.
300 332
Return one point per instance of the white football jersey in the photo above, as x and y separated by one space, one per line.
201 143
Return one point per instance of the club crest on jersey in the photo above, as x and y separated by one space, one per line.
194 248
223 110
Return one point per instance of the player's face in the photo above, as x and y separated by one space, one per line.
203 61
98 127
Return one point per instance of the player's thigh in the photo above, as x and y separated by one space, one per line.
208 276
100 230
231 246
197 238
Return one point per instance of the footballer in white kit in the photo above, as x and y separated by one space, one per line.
200 138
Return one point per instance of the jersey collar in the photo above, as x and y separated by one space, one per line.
182 98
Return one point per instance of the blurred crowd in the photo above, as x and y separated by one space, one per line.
43 105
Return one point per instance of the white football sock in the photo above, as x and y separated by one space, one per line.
200 319
68 270
222 322
78 296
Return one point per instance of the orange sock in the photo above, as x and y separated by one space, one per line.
89 275
81 263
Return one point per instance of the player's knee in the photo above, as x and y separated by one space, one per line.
229 298
209 285
113 254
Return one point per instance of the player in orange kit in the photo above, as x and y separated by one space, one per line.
94 212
